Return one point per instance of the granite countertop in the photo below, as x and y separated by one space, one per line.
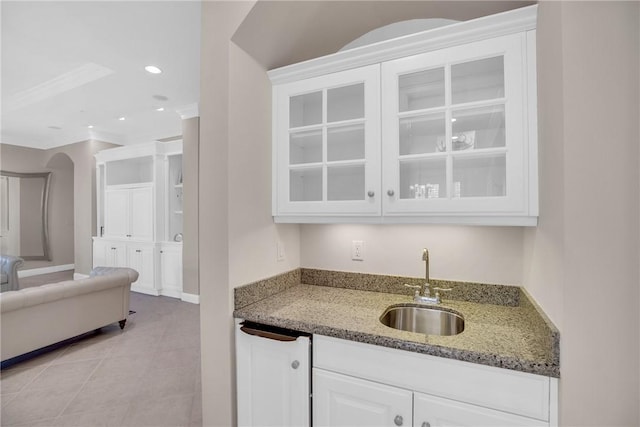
512 337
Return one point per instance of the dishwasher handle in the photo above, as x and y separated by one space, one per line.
271 333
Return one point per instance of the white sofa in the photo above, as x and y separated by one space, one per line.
36 317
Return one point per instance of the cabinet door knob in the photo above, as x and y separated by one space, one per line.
426 424
138 250
295 364
398 420
371 194
390 193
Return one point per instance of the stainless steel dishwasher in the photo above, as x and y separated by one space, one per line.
273 374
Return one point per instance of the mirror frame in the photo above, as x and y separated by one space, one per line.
44 209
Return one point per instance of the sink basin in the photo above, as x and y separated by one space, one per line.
424 320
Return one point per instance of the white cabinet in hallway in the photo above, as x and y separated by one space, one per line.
139 213
129 213
170 260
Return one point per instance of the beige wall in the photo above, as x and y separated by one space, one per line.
252 234
190 260
81 153
582 261
219 21
483 254
61 224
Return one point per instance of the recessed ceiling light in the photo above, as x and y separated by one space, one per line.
121 119
153 69
160 109
453 120
90 126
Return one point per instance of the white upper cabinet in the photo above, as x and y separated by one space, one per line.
328 154
435 127
454 132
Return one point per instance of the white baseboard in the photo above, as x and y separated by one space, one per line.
77 276
192 298
145 290
45 270
173 293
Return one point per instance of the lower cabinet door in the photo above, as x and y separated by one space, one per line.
431 411
340 400
141 259
273 384
171 271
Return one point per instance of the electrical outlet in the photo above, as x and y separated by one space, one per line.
357 250
280 254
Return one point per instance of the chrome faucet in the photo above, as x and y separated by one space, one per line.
425 258
423 293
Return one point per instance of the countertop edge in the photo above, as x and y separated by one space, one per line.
488 359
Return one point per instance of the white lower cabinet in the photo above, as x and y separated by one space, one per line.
140 258
170 260
432 411
273 384
341 400
357 384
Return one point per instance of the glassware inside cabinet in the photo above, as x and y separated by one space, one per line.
423 178
477 128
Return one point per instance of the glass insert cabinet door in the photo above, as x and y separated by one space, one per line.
327 137
453 130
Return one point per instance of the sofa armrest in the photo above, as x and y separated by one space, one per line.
104 271
10 265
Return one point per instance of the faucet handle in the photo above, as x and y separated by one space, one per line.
438 290
416 287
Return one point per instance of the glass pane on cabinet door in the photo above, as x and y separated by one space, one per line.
345 182
484 176
477 80
305 110
422 134
305 185
477 128
423 179
345 143
424 89
305 147
345 103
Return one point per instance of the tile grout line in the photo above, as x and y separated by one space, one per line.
80 389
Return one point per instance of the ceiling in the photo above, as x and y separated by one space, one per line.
279 33
70 65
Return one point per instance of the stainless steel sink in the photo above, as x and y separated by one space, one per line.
424 320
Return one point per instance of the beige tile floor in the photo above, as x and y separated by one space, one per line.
146 375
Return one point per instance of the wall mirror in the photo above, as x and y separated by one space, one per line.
23 215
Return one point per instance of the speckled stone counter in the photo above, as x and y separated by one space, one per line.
506 336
